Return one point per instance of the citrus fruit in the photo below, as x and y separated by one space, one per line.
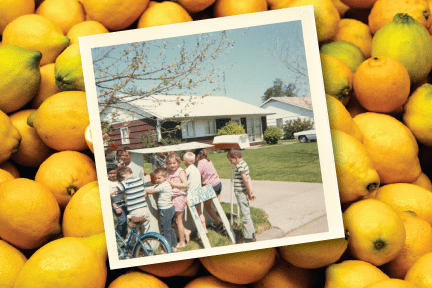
12 9
83 214
242 267
10 136
276 4
64 13
11 168
20 77
383 12
64 173
341 7
5 176
381 84
114 14
347 52
136 279
354 107
362 4
32 150
353 274
167 269
377 234
163 13
192 270
423 181
68 69
417 116
355 32
47 86
222 8
337 77
355 169
417 243
407 197
11 262
210 281
407 41
195 6
326 16
314 255
391 283
30 215
66 262
85 28
392 147
61 121
340 118
35 32
420 273
88 138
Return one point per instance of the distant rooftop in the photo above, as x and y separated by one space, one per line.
305 102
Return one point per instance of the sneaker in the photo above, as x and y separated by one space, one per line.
220 227
250 240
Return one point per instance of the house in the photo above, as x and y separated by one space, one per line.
287 108
199 118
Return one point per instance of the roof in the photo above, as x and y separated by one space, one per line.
178 147
166 107
303 102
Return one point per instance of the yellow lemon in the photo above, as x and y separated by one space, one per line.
362 4
12 9
11 168
392 147
20 77
5 176
88 137
347 52
195 6
222 8
192 270
341 7
377 234
423 181
85 28
114 14
66 262
420 273
35 32
10 136
11 262
163 13
136 279
391 283
68 70
417 116
353 274
407 197
30 214
355 169
338 78
47 86
355 32
210 281
167 269
64 13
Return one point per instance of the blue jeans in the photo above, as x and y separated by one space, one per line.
166 222
122 226
248 227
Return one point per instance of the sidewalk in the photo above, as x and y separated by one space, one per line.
290 206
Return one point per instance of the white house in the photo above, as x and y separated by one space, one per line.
287 108
199 118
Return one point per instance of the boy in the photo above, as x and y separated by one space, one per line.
243 192
136 204
118 202
165 206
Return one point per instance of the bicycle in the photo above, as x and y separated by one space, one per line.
151 243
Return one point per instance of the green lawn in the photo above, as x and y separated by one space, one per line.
289 163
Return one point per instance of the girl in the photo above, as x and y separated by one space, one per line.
176 176
210 176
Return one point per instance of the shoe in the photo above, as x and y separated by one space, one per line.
249 240
220 227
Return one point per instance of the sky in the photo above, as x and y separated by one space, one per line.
249 68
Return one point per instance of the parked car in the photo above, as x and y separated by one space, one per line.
305 136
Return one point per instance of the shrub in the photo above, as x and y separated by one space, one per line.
272 135
292 126
231 128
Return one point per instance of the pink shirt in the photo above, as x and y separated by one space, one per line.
175 178
208 173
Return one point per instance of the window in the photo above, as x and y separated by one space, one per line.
124 134
190 129
279 123
237 121
210 127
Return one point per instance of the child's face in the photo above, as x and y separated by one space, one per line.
112 175
234 160
187 162
160 178
172 164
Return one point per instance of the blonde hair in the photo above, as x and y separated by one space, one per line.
189 156
172 155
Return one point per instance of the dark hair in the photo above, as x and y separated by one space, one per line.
118 151
234 152
201 154
125 150
160 171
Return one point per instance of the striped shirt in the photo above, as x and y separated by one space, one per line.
241 168
133 188
165 194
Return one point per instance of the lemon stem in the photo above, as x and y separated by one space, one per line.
71 190
371 187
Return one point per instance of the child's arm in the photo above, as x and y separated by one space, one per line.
248 185
183 184
150 190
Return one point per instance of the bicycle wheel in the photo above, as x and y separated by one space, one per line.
151 243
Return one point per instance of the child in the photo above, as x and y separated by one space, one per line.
136 204
243 192
166 209
177 175
118 202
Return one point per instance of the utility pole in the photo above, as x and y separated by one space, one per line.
224 84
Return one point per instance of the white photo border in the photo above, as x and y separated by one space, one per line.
306 15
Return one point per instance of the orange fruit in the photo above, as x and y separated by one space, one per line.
137 279
362 4
11 262
30 214
407 197
32 151
381 84
420 273
163 13
211 282
384 10
5 176
355 32
222 8
11 168
392 147
391 283
61 121
354 107
167 269
241 267
47 87
64 173
195 6
85 28
417 243
423 181
64 13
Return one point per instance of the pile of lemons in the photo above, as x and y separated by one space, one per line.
376 58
